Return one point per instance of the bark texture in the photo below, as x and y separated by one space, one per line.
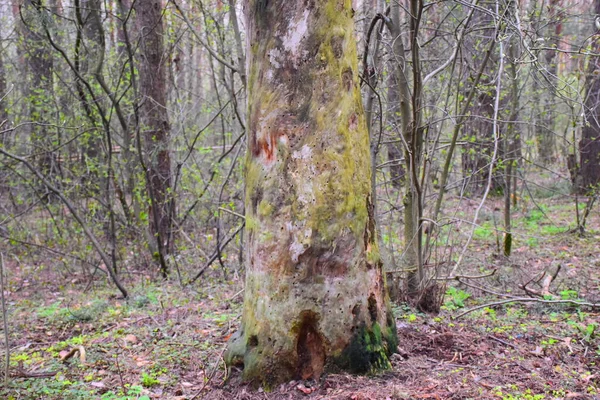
315 295
154 120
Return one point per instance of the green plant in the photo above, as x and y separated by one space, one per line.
457 298
568 294
133 393
148 380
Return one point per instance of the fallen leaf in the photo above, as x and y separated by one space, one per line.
538 351
98 384
130 338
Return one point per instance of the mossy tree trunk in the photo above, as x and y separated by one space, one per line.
315 296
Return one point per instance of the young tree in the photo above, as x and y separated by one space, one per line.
315 293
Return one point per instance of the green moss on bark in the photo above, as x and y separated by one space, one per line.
367 352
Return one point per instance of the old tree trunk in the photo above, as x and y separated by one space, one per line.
315 295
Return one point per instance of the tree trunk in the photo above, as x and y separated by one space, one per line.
39 62
512 134
154 123
3 98
589 146
547 139
315 292
397 90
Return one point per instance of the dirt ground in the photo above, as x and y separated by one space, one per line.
72 338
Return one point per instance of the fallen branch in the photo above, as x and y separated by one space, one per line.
547 280
528 300
459 277
21 373
72 352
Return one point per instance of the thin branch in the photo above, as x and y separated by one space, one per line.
105 258
528 300
202 42
216 253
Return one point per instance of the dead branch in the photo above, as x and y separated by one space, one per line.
528 300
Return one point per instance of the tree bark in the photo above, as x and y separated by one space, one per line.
315 291
154 122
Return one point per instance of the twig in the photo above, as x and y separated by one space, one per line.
503 342
7 365
546 282
459 277
528 300
215 255
232 213
235 295
211 373
119 368
86 230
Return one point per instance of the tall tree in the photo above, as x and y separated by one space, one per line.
315 291
589 146
154 124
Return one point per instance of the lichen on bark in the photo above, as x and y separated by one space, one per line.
315 292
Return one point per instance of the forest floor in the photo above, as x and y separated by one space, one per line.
74 340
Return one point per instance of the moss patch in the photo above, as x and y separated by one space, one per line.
366 353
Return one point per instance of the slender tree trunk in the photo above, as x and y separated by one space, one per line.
405 109
3 95
315 291
395 115
38 58
511 137
154 122
547 140
89 52
233 19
